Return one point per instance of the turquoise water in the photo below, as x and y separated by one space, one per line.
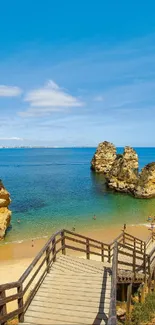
55 188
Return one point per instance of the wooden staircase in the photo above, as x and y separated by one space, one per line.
59 288
76 291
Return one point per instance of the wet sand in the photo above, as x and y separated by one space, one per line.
16 257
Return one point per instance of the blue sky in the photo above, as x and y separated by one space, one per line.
75 73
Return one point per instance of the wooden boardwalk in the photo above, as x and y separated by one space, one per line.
76 291
59 288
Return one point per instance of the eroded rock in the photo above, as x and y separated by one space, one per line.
5 213
104 157
123 175
121 171
145 187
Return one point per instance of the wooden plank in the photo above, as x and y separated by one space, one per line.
72 315
37 321
71 301
80 298
70 307
76 281
34 275
76 288
80 290
20 304
84 263
10 285
10 315
3 310
72 292
9 298
76 240
75 267
87 249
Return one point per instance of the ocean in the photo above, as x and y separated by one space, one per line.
55 188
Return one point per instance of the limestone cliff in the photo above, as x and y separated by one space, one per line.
123 175
5 213
145 187
104 157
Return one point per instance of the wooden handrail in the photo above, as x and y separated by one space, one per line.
37 258
112 311
48 255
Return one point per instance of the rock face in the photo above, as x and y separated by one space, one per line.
121 171
5 213
123 175
145 187
104 157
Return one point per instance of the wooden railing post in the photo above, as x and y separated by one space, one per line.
123 237
128 306
54 249
154 280
3 310
102 252
141 246
134 259
63 243
149 271
144 262
112 310
48 258
20 303
109 254
87 249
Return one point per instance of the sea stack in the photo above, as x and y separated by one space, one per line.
121 171
104 157
123 175
5 213
145 187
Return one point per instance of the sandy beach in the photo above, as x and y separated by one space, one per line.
17 256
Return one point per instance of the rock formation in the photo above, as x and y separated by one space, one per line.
121 171
5 213
104 157
145 187
123 175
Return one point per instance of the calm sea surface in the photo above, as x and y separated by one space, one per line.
55 188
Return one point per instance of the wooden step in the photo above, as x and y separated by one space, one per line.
81 275
66 306
77 283
80 298
73 301
75 286
66 315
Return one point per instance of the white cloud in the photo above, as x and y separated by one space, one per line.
12 138
9 91
98 98
48 99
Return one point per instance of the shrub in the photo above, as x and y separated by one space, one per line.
142 313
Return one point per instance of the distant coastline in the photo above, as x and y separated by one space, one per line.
45 147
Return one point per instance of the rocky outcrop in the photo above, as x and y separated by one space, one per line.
121 171
5 213
123 175
104 157
145 187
